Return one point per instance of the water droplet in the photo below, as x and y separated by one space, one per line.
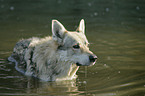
137 8
105 64
84 82
89 4
107 9
12 8
95 14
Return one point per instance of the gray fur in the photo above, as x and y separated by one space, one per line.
53 58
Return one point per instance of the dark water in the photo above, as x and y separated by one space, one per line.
115 29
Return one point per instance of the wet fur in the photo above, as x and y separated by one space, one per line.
52 58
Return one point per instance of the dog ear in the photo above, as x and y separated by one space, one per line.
58 31
81 27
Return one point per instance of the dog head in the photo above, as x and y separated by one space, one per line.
73 45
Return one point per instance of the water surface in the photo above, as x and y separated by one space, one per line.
115 29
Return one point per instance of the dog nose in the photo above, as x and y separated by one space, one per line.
93 58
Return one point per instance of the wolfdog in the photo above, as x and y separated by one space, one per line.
54 58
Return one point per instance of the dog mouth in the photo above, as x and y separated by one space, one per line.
91 64
78 64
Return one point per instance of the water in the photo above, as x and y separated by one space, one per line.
115 29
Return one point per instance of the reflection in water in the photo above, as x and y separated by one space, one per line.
52 88
115 29
33 86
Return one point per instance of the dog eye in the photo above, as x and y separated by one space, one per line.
77 46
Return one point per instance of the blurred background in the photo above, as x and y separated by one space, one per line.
114 28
